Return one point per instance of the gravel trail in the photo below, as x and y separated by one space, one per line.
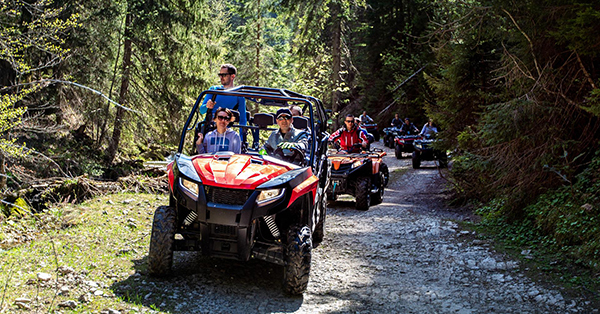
406 255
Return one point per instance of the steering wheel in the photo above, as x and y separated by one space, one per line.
297 156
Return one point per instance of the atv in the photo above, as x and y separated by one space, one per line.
363 175
248 205
389 134
372 129
404 143
424 150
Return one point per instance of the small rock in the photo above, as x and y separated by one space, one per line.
44 276
110 202
64 270
24 306
85 298
98 293
23 300
69 303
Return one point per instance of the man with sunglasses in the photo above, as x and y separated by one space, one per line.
349 136
227 75
287 137
222 138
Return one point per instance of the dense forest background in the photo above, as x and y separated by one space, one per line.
90 87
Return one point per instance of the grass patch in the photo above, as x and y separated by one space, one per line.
72 255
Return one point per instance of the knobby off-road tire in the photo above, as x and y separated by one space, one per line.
319 234
377 198
160 256
383 168
298 252
398 151
416 160
362 189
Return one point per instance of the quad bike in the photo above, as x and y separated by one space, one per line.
389 136
363 175
404 144
424 150
248 205
372 129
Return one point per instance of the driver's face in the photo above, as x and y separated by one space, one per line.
284 121
225 77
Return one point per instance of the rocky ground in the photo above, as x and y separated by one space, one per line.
406 255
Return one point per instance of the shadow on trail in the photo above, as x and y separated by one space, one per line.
199 284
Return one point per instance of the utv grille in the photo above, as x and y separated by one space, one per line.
227 196
224 230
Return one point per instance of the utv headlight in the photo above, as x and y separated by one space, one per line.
357 163
189 186
269 196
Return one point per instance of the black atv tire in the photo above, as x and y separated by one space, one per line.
362 191
297 255
377 198
319 234
398 151
383 168
160 254
416 160
376 136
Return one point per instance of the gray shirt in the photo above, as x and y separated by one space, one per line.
216 142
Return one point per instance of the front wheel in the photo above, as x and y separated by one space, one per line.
362 191
416 160
160 255
398 151
298 253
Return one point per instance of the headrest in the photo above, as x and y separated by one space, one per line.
236 115
300 122
263 120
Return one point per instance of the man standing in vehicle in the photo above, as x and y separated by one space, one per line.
408 127
396 122
287 137
227 75
349 136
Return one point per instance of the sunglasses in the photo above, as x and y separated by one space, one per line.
284 117
349 121
223 74
223 117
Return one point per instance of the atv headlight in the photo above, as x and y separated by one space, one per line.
189 186
269 196
357 163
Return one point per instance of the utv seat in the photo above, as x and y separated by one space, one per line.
300 123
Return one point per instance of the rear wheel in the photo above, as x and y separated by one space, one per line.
376 135
298 253
416 160
398 151
383 168
160 255
377 198
362 191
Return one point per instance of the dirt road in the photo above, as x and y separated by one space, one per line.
406 255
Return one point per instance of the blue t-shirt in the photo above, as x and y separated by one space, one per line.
228 102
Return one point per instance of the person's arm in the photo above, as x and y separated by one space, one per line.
363 138
203 147
207 97
335 135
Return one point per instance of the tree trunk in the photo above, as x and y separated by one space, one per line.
120 116
336 35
